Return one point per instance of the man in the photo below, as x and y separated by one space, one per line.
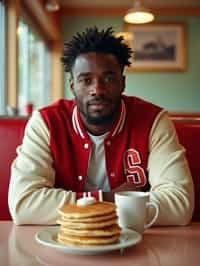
99 143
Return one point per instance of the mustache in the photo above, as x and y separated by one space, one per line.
99 99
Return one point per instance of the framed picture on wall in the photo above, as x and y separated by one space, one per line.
157 46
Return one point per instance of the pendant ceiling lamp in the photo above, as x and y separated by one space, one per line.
139 14
52 5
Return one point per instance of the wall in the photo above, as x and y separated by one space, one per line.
175 91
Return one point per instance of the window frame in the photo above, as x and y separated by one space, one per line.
24 92
3 58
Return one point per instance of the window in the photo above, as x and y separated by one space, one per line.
34 69
2 58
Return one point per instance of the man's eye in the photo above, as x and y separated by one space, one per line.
86 81
108 79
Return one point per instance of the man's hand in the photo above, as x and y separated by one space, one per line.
109 196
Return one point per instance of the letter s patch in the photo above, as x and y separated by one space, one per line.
134 172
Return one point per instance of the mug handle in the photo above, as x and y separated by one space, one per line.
155 206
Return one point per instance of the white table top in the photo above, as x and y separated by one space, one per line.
160 246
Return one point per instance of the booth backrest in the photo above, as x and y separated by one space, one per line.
188 131
11 133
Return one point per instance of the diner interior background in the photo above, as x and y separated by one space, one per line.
30 66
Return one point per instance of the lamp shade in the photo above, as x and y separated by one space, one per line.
139 14
52 5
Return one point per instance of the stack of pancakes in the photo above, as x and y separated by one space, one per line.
88 225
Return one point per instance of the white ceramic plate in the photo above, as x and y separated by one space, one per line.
47 237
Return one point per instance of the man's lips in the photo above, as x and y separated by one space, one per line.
97 105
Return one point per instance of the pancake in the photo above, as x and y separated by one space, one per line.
80 225
88 225
86 241
89 219
95 209
108 231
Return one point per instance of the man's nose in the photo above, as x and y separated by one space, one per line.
98 87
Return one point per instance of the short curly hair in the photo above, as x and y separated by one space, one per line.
93 40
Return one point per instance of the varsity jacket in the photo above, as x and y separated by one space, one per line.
126 145
55 152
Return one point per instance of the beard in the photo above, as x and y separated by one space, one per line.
98 118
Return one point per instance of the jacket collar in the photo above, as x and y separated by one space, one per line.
116 129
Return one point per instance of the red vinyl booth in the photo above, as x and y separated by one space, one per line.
188 131
11 133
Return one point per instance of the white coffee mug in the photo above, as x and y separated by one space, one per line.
132 210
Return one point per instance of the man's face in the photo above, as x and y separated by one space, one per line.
97 84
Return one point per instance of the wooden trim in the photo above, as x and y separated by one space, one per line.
45 20
92 11
12 52
101 11
57 91
188 119
184 114
33 24
13 11
178 11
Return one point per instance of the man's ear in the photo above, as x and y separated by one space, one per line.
71 84
123 83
